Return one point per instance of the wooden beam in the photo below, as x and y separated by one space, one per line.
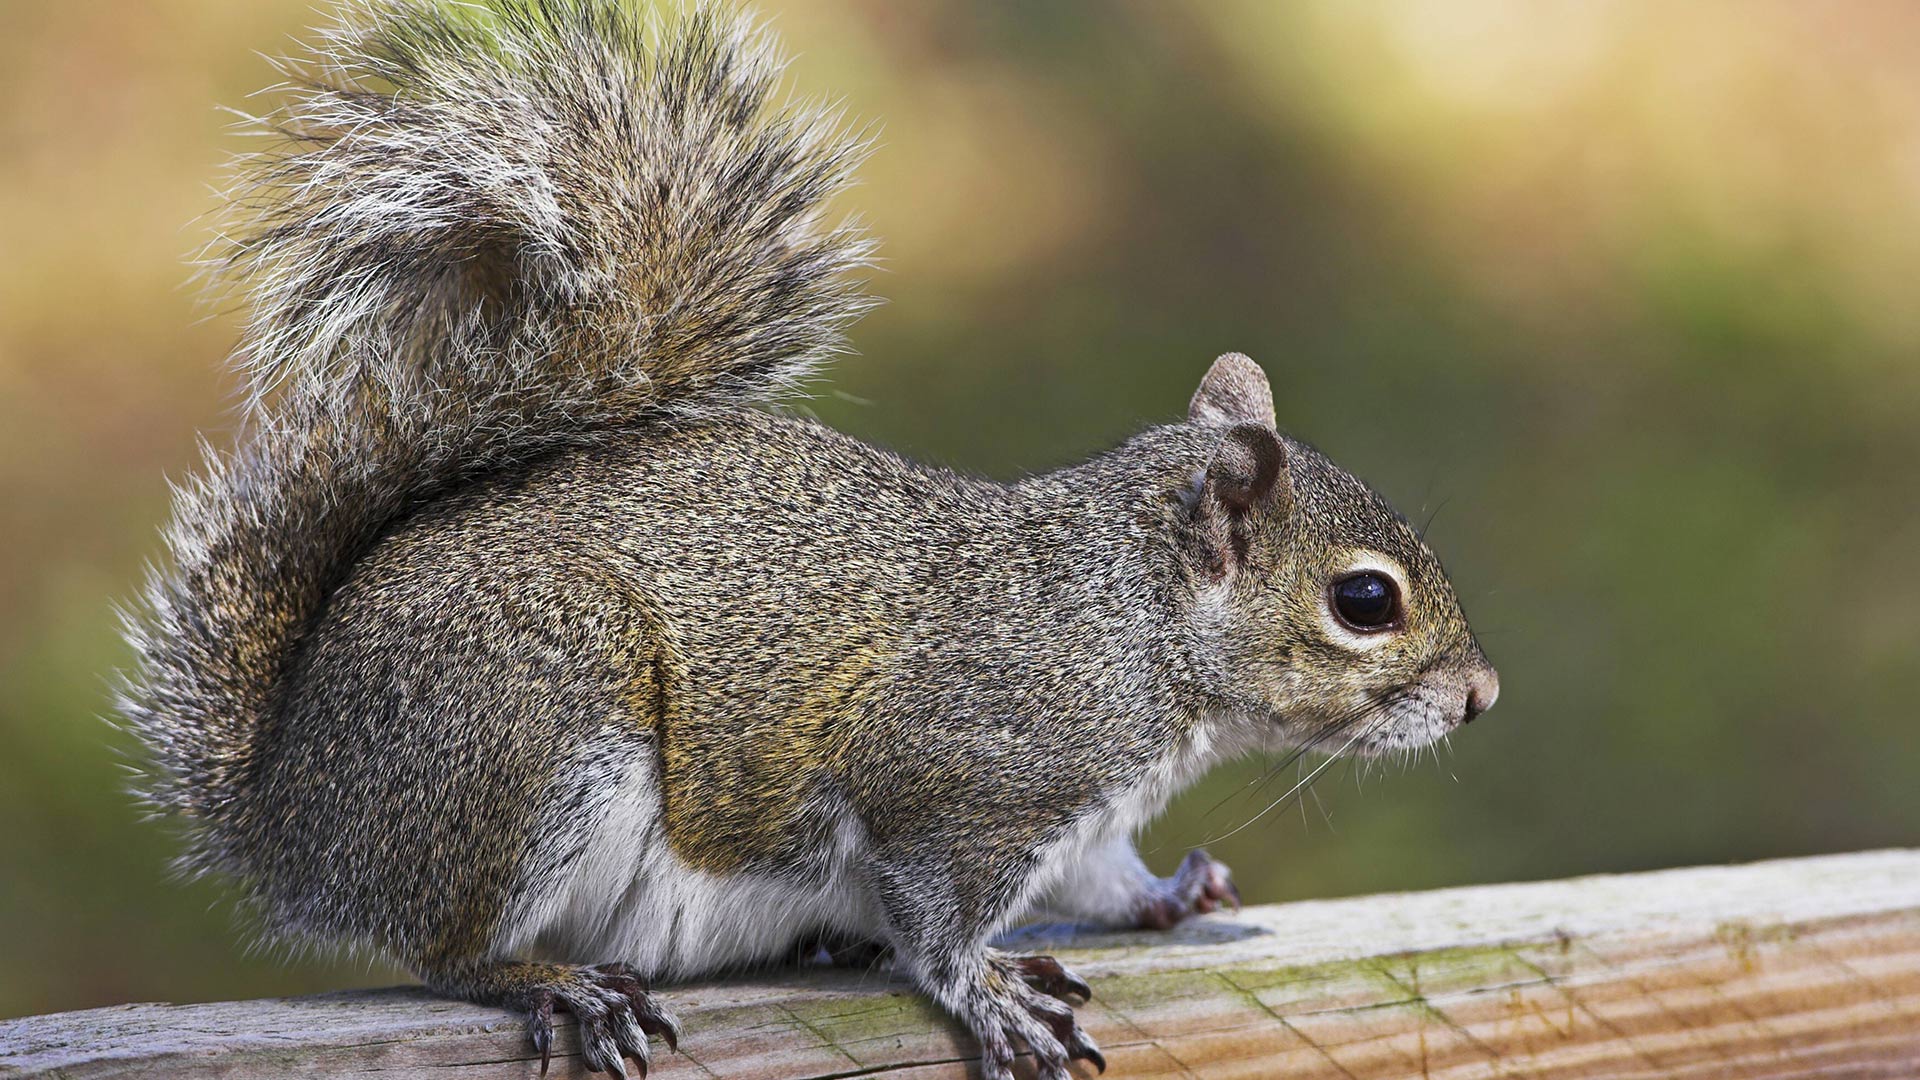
1791 968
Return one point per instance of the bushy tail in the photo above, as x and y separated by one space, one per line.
487 230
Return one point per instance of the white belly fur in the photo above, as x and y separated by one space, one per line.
630 899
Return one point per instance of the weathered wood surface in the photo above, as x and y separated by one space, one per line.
1804 967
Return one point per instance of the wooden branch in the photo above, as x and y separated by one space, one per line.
1790 968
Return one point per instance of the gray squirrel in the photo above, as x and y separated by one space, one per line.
518 640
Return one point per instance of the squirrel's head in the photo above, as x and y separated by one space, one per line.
1323 611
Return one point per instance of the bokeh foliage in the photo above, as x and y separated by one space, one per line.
1620 295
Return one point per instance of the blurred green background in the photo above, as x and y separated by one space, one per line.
1622 293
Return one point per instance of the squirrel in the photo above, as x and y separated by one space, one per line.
521 637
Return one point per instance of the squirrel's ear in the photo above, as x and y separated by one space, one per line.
1235 391
1247 469
1248 472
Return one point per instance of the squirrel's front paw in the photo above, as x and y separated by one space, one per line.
615 1011
1201 885
1022 999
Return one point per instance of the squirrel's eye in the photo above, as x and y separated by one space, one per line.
1366 601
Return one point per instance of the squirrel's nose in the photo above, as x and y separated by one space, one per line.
1483 689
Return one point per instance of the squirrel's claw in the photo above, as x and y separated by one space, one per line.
616 1015
1046 975
651 1018
540 1027
1077 1043
1200 886
1026 999
1215 880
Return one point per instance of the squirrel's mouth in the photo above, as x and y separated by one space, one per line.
1398 720
1380 723
1409 719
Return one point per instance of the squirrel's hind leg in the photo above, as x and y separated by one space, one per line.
615 1010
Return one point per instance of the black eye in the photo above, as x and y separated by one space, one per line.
1366 601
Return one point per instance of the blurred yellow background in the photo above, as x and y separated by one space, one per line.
1622 293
